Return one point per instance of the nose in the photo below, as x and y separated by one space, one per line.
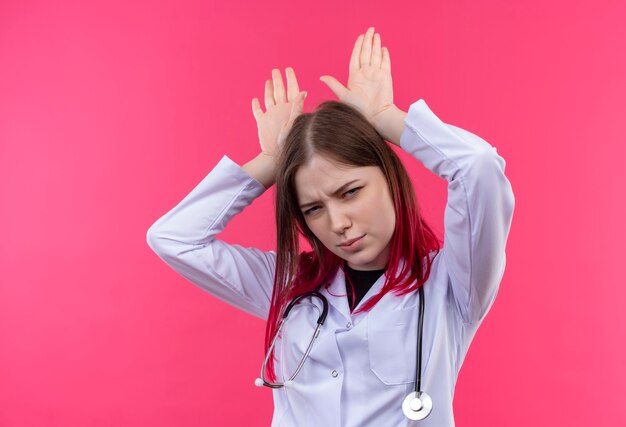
339 220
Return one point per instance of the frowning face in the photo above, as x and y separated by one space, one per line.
341 203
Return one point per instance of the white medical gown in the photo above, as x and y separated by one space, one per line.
362 365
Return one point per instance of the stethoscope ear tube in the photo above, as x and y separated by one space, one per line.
260 382
319 296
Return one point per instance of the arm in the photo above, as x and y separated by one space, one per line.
479 209
185 239
262 168
390 124
480 200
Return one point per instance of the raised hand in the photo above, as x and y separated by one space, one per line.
369 87
282 109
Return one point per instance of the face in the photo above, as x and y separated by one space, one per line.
341 203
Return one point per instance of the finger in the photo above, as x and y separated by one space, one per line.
386 62
366 50
269 95
376 55
256 109
296 110
279 87
292 84
356 52
334 85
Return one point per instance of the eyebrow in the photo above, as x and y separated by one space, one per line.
337 191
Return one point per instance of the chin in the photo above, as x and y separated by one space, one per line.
362 265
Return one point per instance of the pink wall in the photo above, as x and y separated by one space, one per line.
110 113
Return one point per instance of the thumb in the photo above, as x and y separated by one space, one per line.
334 85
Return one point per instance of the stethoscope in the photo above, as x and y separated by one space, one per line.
416 406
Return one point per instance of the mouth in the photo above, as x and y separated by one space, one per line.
351 241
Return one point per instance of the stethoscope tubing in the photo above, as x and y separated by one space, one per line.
416 406
418 371
320 321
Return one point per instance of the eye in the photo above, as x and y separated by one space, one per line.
310 210
351 191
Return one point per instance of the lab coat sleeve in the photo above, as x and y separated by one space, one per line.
185 239
479 208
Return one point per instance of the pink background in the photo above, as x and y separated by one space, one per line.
111 112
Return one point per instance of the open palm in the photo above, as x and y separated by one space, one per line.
369 88
282 107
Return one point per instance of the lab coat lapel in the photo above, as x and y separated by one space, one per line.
373 290
336 294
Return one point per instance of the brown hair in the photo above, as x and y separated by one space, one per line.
342 134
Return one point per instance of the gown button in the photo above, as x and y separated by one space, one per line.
334 374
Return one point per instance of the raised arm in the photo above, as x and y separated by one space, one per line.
185 237
479 209
480 200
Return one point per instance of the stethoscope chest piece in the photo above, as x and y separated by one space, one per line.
417 405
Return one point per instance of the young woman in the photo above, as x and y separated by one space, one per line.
381 316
